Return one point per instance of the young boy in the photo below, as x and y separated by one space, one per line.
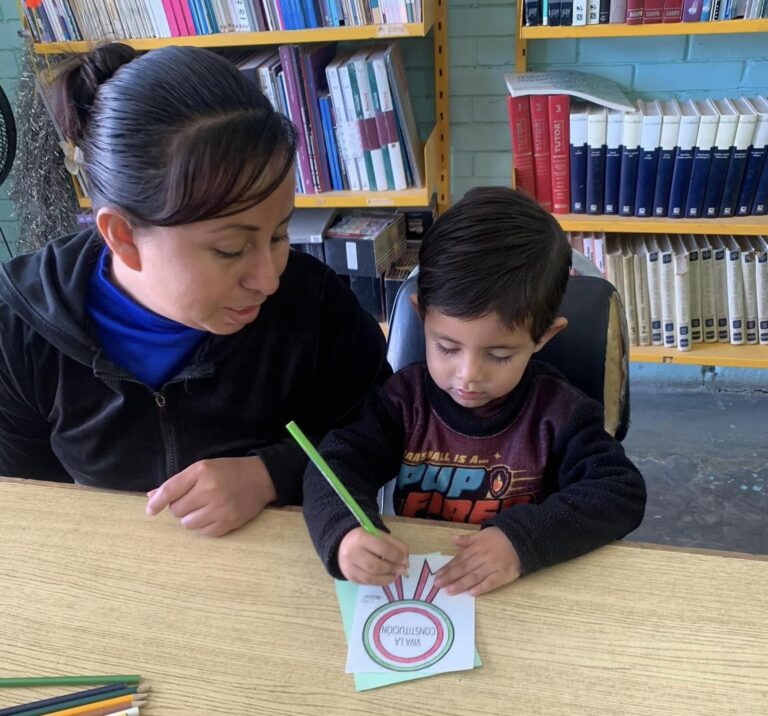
481 433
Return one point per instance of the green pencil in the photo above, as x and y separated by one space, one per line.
68 681
334 481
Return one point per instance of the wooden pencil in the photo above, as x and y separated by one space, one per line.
99 708
35 710
64 698
68 680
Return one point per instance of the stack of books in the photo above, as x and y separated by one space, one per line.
668 158
357 128
638 12
372 251
71 20
685 289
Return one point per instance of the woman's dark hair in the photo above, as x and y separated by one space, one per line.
496 250
174 136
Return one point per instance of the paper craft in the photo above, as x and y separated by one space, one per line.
411 626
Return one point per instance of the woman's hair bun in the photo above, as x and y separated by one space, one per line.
78 82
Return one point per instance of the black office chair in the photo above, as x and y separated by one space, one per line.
591 352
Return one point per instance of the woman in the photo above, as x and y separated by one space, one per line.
167 350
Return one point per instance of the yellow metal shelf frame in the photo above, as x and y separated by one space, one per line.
740 225
725 27
720 354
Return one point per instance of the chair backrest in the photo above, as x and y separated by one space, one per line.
591 352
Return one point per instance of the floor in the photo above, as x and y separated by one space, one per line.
704 455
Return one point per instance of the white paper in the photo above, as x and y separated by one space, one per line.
409 626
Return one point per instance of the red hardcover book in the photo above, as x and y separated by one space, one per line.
673 11
635 12
522 143
559 106
652 11
542 168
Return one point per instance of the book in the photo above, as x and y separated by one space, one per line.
735 288
559 148
682 294
578 157
617 12
630 156
756 157
596 129
650 134
519 109
702 158
672 11
642 299
670 130
668 295
684 152
653 273
634 12
748 277
690 247
613 135
721 157
760 246
406 119
722 319
706 289
630 306
745 131
652 11
388 121
576 84
542 168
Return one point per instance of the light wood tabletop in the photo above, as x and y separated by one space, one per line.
249 623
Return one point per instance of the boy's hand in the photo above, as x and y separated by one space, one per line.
487 560
365 559
215 496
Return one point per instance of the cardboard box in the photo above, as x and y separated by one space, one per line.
365 243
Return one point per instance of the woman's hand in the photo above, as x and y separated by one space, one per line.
215 496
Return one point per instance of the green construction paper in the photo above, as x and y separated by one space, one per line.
346 593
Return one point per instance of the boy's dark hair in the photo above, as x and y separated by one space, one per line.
496 250
174 136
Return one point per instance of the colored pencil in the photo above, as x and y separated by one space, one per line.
59 700
100 708
33 710
68 681
334 481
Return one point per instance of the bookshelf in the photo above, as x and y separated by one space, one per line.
726 27
721 354
436 148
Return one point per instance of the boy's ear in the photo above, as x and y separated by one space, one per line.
119 235
414 302
557 325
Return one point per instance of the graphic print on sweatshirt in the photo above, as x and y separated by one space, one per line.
448 475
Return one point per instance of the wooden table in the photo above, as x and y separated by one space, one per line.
249 624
